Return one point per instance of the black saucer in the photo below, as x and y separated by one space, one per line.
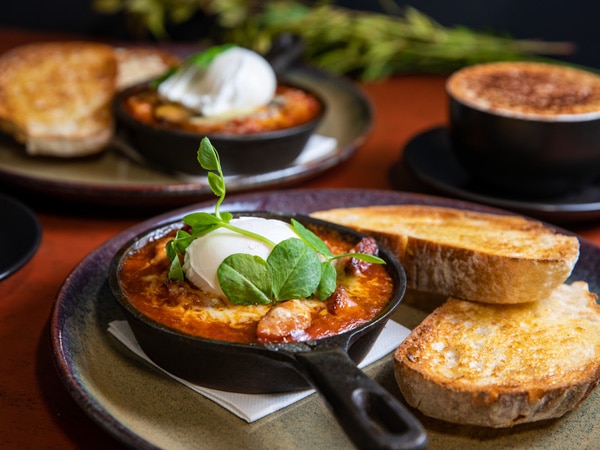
20 235
429 157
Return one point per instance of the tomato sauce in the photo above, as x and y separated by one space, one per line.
180 305
290 107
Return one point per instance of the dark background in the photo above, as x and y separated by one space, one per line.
576 21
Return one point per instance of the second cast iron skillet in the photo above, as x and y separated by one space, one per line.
174 150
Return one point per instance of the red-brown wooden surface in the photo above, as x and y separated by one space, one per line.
36 411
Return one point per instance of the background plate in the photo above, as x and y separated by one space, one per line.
20 235
146 409
113 178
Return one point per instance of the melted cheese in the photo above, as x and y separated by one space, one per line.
189 309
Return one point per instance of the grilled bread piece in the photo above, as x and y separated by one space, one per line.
139 64
466 254
56 97
500 365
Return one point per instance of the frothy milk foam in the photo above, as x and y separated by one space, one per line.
528 90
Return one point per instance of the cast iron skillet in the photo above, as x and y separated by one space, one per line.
371 416
176 150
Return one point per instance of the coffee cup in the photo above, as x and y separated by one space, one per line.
526 128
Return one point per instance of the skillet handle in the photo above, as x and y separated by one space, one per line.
287 50
371 417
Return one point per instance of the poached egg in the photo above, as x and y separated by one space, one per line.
237 81
206 253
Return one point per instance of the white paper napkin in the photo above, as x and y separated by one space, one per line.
252 407
316 147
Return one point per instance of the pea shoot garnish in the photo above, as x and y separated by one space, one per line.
296 268
197 61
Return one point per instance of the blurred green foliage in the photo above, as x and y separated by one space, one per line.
367 45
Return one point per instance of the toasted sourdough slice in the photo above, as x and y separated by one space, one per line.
56 97
466 254
139 64
500 365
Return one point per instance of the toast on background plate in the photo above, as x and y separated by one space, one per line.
500 365
465 254
56 97
139 64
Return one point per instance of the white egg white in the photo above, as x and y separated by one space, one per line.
237 81
205 254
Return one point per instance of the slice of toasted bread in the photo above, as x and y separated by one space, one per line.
56 97
140 64
466 254
500 365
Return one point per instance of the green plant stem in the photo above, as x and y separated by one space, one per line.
249 234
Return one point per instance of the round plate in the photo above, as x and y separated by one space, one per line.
430 158
119 177
144 408
20 235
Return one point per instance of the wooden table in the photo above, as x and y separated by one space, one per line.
36 411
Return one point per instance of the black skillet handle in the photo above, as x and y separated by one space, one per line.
371 417
287 50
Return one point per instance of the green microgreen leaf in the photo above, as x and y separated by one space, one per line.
178 245
204 58
319 246
362 256
209 160
201 223
200 220
311 239
245 279
295 268
156 82
226 217
171 249
216 184
176 271
328 281
208 156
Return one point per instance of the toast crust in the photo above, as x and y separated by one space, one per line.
466 254
500 365
56 97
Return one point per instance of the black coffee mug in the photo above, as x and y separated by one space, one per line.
520 153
